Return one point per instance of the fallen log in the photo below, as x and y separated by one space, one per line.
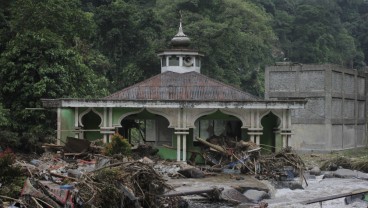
214 146
336 196
195 192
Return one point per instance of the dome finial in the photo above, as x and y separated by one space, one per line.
180 39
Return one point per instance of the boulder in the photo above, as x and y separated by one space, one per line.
347 173
256 196
192 173
315 171
328 175
234 196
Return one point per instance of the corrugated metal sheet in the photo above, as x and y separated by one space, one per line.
187 86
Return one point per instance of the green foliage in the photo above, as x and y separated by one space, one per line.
55 48
127 33
118 145
235 35
43 58
3 116
312 31
11 177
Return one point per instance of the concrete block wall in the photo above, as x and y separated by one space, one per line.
335 115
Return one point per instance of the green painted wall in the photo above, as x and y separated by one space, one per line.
268 139
67 123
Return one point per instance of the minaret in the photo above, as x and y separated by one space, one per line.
180 58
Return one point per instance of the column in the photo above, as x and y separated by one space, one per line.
76 122
285 130
177 147
58 127
107 129
181 135
255 131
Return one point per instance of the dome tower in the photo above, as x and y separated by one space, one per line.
180 58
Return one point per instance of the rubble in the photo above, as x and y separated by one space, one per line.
80 175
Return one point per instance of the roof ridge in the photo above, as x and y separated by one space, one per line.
228 85
134 85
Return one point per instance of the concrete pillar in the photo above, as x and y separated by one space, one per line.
58 127
252 125
284 141
76 122
178 147
181 134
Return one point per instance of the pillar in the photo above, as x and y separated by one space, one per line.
58 127
285 130
181 135
107 129
255 131
76 122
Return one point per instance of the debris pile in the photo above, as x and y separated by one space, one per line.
86 180
281 165
227 153
80 174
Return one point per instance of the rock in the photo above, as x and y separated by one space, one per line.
354 198
347 173
256 196
234 196
192 173
315 171
333 167
328 175
146 160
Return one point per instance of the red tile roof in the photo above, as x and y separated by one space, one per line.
187 86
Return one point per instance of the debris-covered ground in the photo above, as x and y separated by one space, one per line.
235 174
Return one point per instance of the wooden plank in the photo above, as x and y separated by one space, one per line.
336 196
191 192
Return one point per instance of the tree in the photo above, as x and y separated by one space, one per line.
44 59
128 34
235 35
3 118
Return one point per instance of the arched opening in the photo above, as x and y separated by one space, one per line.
218 125
220 129
270 123
91 122
146 127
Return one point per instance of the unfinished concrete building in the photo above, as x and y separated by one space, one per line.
334 117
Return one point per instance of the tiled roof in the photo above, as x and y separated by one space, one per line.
182 87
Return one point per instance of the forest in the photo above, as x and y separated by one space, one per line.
90 48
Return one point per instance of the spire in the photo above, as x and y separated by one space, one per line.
180 40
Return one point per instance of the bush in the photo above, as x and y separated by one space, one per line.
11 177
118 145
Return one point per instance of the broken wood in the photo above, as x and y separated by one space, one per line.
62 176
195 192
214 146
336 196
